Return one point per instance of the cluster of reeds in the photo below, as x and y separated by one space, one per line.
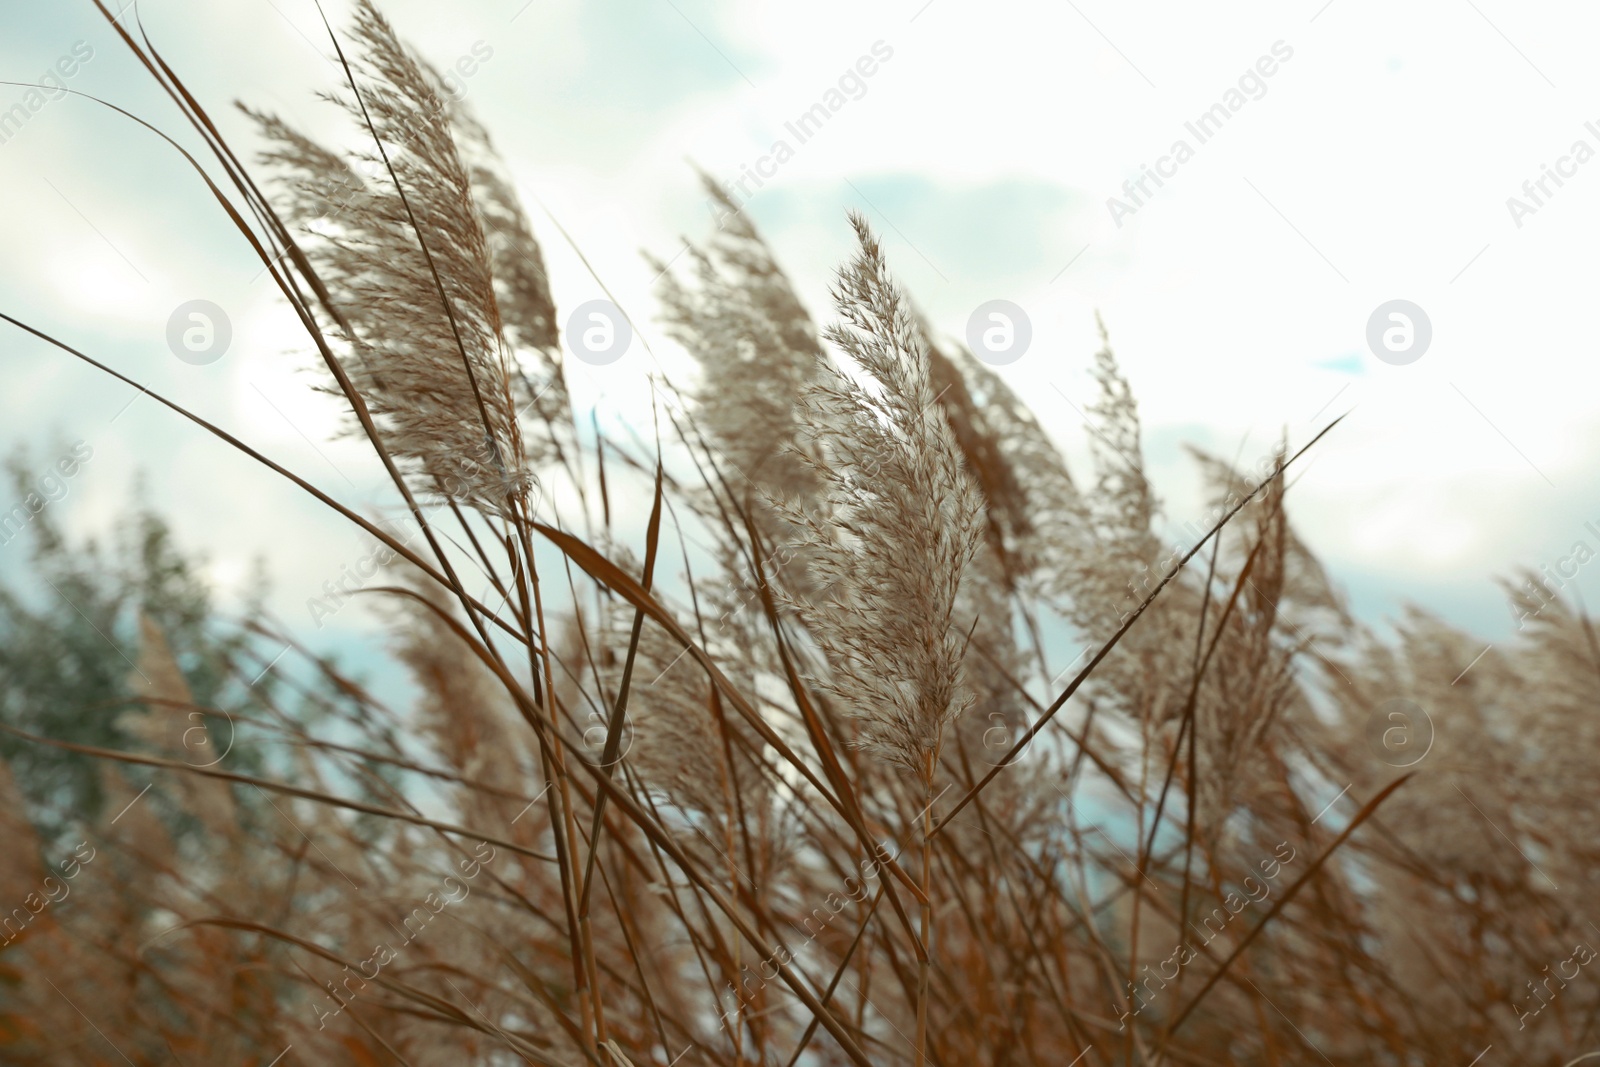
807 774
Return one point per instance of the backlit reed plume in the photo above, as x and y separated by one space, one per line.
901 519
395 234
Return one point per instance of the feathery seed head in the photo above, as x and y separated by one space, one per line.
901 520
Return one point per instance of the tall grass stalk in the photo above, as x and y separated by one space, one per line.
805 774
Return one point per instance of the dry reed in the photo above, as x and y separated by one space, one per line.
638 815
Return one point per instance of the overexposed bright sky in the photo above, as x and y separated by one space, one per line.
1375 163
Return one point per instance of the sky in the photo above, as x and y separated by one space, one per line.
1358 154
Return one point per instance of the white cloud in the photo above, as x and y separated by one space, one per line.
1376 165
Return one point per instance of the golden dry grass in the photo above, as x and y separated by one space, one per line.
798 776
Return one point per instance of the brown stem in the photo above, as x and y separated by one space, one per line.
925 950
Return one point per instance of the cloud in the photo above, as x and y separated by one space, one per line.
983 152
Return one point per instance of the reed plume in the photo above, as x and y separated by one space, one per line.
397 237
900 521
819 781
